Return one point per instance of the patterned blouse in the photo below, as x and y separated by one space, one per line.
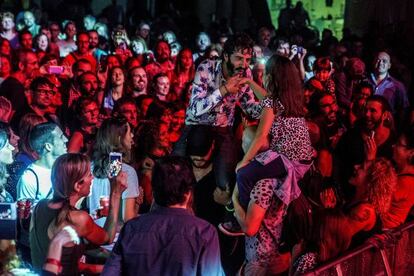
262 248
289 135
208 107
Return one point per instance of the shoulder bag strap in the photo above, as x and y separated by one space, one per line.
37 183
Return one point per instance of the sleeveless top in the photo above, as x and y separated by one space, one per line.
39 241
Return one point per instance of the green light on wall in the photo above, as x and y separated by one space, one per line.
321 15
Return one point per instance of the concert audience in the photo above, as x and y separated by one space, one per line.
198 93
72 179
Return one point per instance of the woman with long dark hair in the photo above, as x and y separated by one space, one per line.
287 159
282 120
183 74
71 181
114 135
116 89
6 158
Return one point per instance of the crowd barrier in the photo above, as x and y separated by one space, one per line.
394 257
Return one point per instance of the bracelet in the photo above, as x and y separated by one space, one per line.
55 262
229 209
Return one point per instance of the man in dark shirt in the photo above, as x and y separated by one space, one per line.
389 87
14 86
168 240
352 147
200 146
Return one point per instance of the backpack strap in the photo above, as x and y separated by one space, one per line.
37 183
74 56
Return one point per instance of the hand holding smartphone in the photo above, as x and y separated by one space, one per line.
8 221
115 164
55 69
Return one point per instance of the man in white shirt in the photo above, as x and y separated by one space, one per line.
49 142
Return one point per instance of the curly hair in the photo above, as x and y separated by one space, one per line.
382 184
238 42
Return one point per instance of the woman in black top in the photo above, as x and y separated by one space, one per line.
71 181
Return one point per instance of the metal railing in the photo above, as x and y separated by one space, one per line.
375 259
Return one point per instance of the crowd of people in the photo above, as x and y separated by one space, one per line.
303 146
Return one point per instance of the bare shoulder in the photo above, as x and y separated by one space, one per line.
81 220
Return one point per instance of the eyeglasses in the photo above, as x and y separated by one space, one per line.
45 92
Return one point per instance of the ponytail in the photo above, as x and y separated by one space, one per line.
67 170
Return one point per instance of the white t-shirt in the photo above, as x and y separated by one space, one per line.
102 187
26 187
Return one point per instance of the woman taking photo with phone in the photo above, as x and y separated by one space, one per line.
71 181
113 136
6 158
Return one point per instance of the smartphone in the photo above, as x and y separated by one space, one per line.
57 70
115 163
8 221
300 50
8 211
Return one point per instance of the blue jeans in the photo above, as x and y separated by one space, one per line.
224 156
248 176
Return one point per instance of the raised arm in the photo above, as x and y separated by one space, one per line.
87 228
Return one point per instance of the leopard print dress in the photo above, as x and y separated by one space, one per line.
288 135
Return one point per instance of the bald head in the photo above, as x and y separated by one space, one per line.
382 63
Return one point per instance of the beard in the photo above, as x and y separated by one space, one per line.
201 165
140 86
372 125
234 71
